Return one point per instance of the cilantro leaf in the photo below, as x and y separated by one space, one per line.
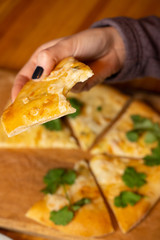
50 188
53 125
69 177
99 108
132 178
62 217
75 103
150 137
132 136
56 177
77 205
154 158
143 125
127 198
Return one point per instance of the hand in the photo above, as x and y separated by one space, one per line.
101 48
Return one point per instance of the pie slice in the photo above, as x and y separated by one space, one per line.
45 100
115 141
91 219
99 107
39 137
109 173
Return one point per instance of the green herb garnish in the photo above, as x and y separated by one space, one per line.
61 177
127 198
132 178
53 125
56 177
154 158
67 213
99 108
75 103
62 217
143 125
77 205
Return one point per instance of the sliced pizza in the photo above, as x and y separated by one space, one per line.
45 100
130 187
134 135
97 108
53 134
72 204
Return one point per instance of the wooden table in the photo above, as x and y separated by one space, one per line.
26 24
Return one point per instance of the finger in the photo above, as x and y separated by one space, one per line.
26 72
48 58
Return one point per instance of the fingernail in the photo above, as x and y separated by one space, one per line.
37 73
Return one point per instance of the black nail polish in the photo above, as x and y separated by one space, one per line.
37 73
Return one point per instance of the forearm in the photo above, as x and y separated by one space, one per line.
142 43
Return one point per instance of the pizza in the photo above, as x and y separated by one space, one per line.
90 219
127 180
44 100
40 136
115 141
99 107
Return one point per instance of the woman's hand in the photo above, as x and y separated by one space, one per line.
101 48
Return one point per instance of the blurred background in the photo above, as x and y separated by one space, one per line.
26 24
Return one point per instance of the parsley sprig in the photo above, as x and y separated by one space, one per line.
56 177
62 177
54 125
132 178
143 125
151 129
127 198
67 213
75 103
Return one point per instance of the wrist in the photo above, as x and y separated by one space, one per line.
117 48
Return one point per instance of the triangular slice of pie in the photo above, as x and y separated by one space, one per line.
91 219
40 136
130 187
45 100
99 107
116 142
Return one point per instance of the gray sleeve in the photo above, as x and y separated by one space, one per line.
142 42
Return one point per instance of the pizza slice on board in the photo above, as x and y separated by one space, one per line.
48 135
87 216
97 108
130 187
133 135
44 100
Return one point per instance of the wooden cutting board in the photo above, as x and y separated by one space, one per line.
21 174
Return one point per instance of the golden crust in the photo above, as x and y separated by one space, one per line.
91 220
44 100
39 137
109 171
115 141
101 105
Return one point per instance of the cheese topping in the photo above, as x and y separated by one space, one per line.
56 202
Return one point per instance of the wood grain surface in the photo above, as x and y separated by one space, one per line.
26 24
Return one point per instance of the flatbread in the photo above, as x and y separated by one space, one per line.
44 100
115 142
90 220
109 171
100 106
39 137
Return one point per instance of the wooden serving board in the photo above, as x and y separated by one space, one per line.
21 174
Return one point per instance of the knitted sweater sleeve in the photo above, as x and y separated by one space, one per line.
142 42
